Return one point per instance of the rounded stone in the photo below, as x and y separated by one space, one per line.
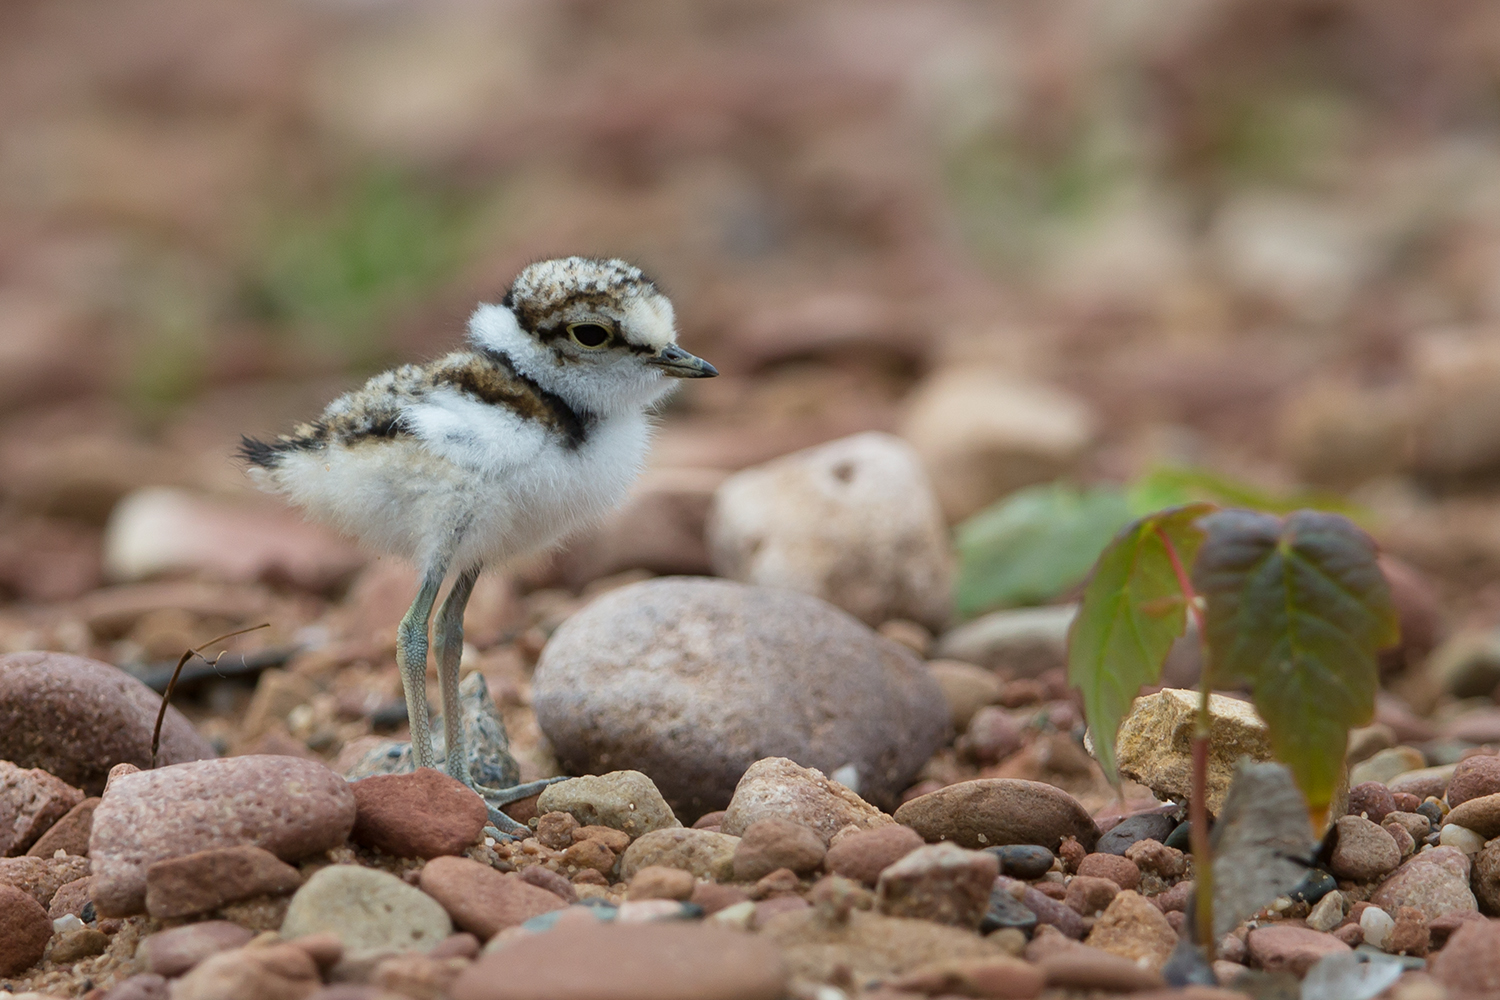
206 880
1142 826
992 811
1371 799
370 911
286 805
853 521
777 788
483 901
1023 861
75 718
692 680
424 814
1473 778
864 855
633 961
1435 882
1364 850
622 800
25 930
1469 963
1121 871
1289 948
706 854
1481 814
769 844
173 952
1132 927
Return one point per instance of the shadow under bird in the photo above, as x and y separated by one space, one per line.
536 428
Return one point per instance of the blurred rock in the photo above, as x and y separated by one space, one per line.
76 718
966 687
997 811
49 559
622 800
273 970
853 521
708 855
206 880
1340 434
1467 665
1457 398
690 681
982 435
31 800
1133 928
371 911
1435 881
939 882
24 931
659 528
1419 613
69 834
47 350
1025 642
1154 745
159 531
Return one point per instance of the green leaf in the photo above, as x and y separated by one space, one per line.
1132 611
1034 544
1297 608
1172 485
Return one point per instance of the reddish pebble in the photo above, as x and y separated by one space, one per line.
460 945
658 882
1290 948
31 800
1372 800
544 878
25 930
768 908
173 952
1474 777
206 880
714 897
863 856
769 844
555 830
481 900
1405 801
1119 870
425 814
69 834
71 897
1470 962
1071 852
709 821
1089 895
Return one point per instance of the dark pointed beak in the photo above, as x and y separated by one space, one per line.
674 362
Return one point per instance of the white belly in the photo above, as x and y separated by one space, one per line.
397 496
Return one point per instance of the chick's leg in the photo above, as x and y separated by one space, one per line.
411 658
448 640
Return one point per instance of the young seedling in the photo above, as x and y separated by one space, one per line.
166 696
1296 608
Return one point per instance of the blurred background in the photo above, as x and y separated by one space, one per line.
1242 247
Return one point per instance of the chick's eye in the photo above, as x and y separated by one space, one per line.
590 335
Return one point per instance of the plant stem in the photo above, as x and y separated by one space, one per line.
1203 888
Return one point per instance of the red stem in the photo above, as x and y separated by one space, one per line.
1203 888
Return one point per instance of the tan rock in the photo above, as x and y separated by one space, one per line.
706 854
966 687
1132 927
778 788
1154 745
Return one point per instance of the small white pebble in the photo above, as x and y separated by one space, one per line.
739 915
830 993
1377 925
489 841
59 853
66 922
1461 837
1281 904
1328 913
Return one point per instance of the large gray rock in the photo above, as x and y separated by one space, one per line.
853 521
76 718
690 681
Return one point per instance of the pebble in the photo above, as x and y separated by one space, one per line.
1364 850
206 880
1410 936
31 800
657 882
706 854
1090 895
40 878
75 718
1434 811
621 800
1386 765
286 805
853 521
1377 926
1005 910
1289 948
966 688
1002 978
25 930
778 788
1423 782
939 882
172 952
769 844
1023 861
651 961
1486 878
1159 859
688 680
1132 829
993 735
1371 799
1051 912
370 911
71 897
544 878
1482 815
1473 778
774 907
994 811
1133 928
1414 823
424 814
589 854
270 972
1466 840
143 986
1121 871
555 829
712 897
1175 899
864 855
1085 968
1022 642
78 944
1469 963
1435 881
69 834
1328 913
481 900
1405 843
983 433
1154 744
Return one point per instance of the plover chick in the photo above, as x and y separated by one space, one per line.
535 429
